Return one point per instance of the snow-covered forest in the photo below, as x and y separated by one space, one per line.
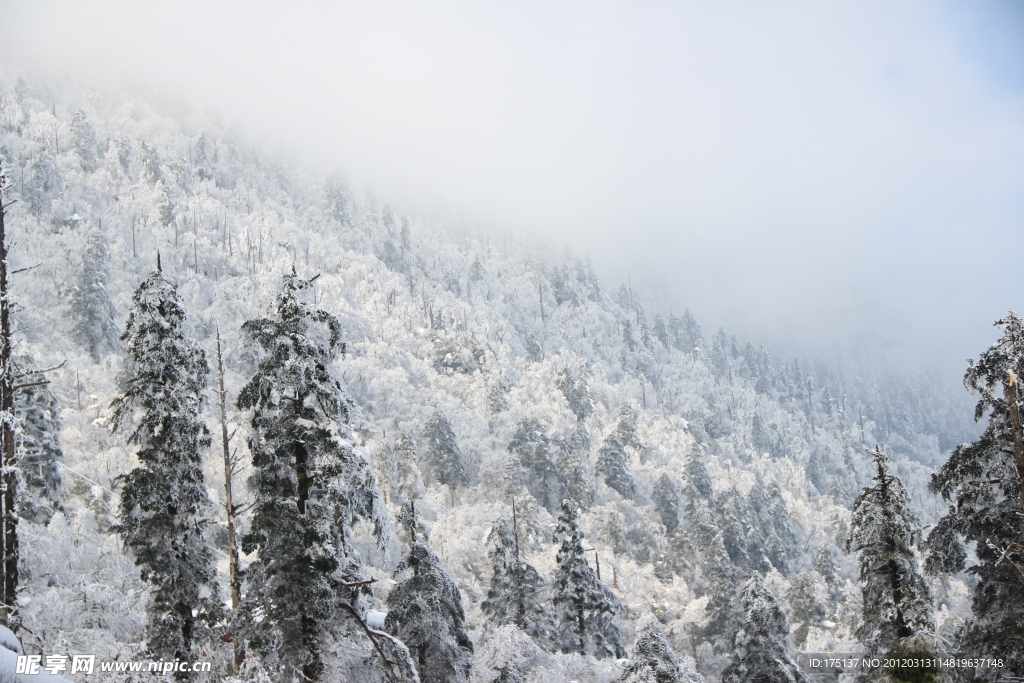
294 431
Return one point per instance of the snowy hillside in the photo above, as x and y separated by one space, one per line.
483 372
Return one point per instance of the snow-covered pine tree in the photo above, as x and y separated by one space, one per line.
44 181
665 497
543 480
125 154
164 508
897 602
586 607
409 484
204 155
152 165
425 612
698 481
573 453
983 483
90 305
310 484
442 454
518 592
83 141
654 661
808 597
573 385
723 610
625 430
38 444
611 465
759 647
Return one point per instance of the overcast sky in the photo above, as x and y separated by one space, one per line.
798 172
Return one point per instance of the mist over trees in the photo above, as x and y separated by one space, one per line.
465 458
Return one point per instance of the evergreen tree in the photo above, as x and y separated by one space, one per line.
443 455
39 449
518 592
410 486
759 646
204 155
688 335
542 479
983 483
666 502
164 509
90 305
83 141
654 660
44 181
722 609
897 603
310 484
497 401
425 612
625 430
807 598
573 451
586 607
152 165
574 388
611 465
698 481
125 153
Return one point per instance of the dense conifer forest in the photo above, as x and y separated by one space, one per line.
264 421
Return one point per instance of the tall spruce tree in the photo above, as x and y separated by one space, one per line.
542 478
723 610
611 465
164 508
897 603
573 386
654 661
665 497
90 306
83 141
425 612
443 456
698 481
983 480
38 446
518 592
586 607
759 647
573 453
310 485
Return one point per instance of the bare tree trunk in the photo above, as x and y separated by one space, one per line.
1010 395
229 504
9 482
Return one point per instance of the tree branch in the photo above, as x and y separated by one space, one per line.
370 634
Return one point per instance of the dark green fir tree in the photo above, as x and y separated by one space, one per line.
759 646
586 607
38 445
425 612
164 508
442 455
897 616
90 306
612 466
653 660
519 593
984 481
310 485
